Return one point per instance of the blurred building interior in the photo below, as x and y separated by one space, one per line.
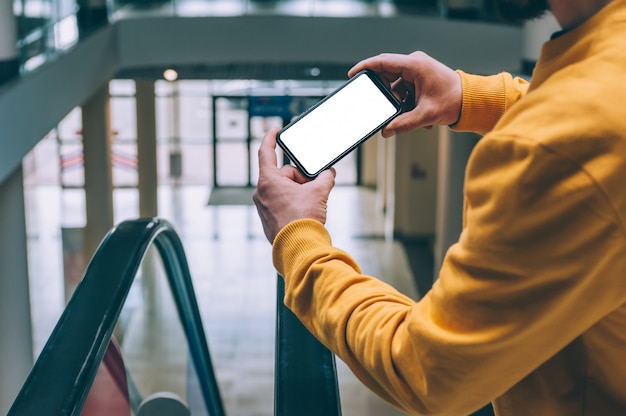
119 109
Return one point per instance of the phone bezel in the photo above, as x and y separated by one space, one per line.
383 89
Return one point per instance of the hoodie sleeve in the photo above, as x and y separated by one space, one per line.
486 98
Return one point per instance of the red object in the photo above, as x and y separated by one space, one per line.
109 391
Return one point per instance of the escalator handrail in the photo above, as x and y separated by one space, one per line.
305 379
61 378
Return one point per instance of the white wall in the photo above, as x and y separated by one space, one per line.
476 47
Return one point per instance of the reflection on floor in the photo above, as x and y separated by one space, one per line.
235 283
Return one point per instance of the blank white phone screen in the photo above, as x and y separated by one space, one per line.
338 124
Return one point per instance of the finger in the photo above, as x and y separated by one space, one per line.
356 69
293 173
406 122
267 149
375 63
386 62
270 137
368 63
323 183
387 132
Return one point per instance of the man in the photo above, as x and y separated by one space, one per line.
529 310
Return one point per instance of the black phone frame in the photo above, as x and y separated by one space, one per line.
381 86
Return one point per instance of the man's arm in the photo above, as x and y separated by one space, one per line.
511 294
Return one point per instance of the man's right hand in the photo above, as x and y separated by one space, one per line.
284 194
430 91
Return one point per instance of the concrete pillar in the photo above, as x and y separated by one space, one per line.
454 151
385 181
369 156
535 33
9 61
176 156
98 169
146 148
147 188
415 184
16 347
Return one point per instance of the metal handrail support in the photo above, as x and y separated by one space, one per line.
61 378
305 378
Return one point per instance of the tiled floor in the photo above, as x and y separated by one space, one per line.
235 284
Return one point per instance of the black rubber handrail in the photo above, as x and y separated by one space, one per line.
62 376
305 379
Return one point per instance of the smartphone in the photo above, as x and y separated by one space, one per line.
337 124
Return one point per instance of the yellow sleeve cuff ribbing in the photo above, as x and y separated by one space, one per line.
485 98
296 241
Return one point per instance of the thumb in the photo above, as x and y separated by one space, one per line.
326 179
267 150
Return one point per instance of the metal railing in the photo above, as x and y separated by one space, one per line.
305 379
59 382
62 376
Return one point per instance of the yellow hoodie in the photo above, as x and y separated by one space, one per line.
529 309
